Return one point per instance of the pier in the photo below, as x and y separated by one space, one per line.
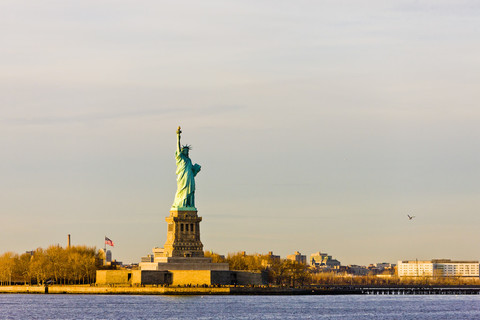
420 290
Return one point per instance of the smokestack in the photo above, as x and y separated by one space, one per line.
68 245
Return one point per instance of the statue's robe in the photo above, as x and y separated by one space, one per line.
185 196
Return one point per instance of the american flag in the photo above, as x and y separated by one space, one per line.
108 241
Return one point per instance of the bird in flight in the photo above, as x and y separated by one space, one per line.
410 217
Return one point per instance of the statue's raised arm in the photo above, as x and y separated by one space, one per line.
179 146
186 172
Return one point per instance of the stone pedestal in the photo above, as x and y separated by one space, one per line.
183 249
183 234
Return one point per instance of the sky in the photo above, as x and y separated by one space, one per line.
319 125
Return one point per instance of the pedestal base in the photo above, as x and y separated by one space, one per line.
183 234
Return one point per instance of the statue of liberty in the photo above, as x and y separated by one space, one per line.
185 196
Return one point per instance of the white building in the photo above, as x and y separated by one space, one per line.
438 268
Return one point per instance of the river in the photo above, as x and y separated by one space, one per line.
356 307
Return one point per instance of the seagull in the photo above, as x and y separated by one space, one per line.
410 217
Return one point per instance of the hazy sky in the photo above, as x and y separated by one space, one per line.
319 125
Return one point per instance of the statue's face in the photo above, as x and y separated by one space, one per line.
185 151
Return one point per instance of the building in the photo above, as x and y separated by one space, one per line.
108 256
269 258
147 258
298 257
384 265
438 268
323 260
382 268
357 270
415 268
272 256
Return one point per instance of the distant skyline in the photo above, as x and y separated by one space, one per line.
319 125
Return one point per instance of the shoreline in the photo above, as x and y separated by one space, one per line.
331 290
86 289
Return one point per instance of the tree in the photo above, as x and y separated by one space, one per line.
56 262
76 264
39 267
7 264
216 258
22 270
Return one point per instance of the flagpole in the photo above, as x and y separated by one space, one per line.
105 249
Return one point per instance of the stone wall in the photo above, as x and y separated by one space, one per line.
155 277
115 276
245 278
223 278
191 277
132 277
178 277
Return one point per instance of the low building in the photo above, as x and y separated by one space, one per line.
384 265
298 257
438 268
357 270
384 269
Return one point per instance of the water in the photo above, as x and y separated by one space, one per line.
24 306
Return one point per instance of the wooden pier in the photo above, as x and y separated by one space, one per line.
421 291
